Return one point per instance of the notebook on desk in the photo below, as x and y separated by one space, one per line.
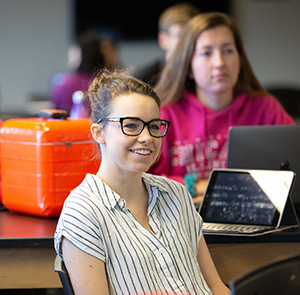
247 202
267 147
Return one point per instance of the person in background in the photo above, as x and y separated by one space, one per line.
170 25
123 231
208 86
84 58
110 51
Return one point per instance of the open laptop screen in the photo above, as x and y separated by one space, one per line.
252 197
270 147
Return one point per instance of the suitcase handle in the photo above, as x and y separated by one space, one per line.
53 113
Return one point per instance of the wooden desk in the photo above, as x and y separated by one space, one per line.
27 254
232 260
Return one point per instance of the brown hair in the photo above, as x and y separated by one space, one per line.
174 80
177 14
107 85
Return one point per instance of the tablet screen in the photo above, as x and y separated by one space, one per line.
255 197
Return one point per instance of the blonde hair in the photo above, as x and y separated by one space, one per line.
176 14
175 80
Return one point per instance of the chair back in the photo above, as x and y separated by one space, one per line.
60 268
279 277
289 98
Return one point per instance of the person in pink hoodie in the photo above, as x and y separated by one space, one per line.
206 87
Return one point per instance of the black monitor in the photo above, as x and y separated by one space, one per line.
267 147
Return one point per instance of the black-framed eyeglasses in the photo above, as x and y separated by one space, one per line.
134 126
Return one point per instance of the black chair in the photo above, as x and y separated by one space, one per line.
279 277
289 98
60 268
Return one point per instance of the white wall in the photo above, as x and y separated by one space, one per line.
137 53
271 33
34 37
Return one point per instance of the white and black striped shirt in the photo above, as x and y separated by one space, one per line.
96 220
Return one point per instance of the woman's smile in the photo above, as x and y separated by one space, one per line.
144 152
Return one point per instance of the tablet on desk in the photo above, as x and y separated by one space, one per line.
246 202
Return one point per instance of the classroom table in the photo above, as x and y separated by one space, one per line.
27 254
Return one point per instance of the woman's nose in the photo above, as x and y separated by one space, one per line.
145 135
218 59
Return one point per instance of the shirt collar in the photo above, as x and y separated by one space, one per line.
101 190
111 199
154 181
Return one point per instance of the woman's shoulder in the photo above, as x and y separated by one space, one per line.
268 110
87 191
183 107
186 99
262 101
263 98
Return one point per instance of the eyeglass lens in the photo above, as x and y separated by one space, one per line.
157 128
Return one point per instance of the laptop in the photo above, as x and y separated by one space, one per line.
247 202
273 147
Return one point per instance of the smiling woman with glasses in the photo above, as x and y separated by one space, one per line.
125 231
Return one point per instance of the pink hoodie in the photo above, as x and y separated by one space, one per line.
197 140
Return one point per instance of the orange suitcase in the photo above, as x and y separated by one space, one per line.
43 159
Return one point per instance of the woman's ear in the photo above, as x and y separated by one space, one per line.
97 133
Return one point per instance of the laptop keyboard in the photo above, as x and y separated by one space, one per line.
232 228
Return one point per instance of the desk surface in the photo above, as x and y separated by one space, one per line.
18 230
26 252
